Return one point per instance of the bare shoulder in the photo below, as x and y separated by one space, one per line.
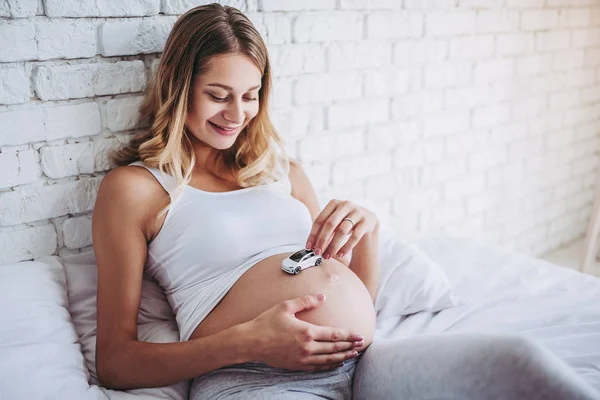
131 191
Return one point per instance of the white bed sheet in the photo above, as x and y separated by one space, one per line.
510 292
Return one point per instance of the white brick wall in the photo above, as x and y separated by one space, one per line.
470 117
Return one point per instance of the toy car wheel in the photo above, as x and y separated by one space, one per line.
318 262
297 270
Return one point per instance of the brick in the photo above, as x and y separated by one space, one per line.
297 59
182 6
44 202
66 38
326 145
296 5
423 102
527 107
77 232
580 78
327 26
486 159
326 88
394 25
357 113
591 57
489 116
429 4
450 23
388 82
358 55
361 167
493 70
564 100
586 37
461 98
274 28
281 94
49 123
101 8
496 21
14 82
539 20
525 3
464 187
123 113
515 44
480 4
534 64
87 80
475 47
67 160
446 124
554 40
21 126
136 36
27 243
423 51
443 171
18 41
101 148
391 134
575 17
319 175
369 4
447 74
461 144
297 122
18 8
18 168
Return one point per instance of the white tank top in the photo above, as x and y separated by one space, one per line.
209 239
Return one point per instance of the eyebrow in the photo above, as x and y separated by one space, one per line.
229 87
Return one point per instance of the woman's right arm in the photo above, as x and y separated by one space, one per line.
125 201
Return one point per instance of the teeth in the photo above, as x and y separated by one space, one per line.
225 129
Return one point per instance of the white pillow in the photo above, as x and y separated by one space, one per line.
40 357
409 281
156 322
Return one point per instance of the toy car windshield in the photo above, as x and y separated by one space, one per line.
297 256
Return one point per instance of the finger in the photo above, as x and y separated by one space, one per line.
357 234
319 221
328 334
334 347
344 228
335 358
332 224
302 303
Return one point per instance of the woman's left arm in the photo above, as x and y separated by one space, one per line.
331 225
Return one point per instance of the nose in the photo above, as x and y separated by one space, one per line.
235 112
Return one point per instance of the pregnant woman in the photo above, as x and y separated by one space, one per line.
207 203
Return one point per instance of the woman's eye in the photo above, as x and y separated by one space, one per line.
223 99
218 98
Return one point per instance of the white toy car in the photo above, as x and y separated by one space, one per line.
300 260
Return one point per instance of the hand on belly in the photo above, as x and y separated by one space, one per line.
348 304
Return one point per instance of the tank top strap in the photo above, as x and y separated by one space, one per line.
166 181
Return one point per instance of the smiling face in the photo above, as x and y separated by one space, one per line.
223 100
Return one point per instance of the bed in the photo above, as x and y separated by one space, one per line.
497 291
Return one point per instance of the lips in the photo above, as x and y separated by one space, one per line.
224 130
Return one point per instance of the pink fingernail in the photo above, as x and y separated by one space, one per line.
308 244
317 251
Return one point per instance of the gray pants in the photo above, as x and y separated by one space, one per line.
444 366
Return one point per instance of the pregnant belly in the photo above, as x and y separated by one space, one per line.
348 304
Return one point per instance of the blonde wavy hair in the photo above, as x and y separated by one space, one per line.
258 155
